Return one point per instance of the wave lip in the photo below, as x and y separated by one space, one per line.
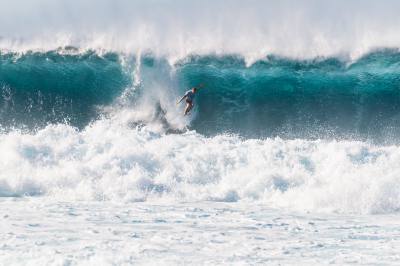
175 29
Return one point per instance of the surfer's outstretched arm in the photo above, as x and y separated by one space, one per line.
184 96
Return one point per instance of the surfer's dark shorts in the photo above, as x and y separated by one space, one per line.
189 101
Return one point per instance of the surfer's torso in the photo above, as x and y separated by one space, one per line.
189 95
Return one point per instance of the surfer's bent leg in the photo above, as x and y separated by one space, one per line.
189 106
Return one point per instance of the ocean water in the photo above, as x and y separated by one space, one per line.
290 156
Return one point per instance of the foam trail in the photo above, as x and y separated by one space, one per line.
110 161
300 29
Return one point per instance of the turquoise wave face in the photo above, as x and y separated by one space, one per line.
299 99
57 87
320 98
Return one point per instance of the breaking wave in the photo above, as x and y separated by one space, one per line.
319 98
299 109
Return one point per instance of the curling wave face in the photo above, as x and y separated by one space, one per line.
57 86
312 99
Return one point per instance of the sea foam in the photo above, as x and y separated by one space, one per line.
113 162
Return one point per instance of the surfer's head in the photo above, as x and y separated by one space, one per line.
194 89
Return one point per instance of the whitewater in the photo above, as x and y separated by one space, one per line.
290 156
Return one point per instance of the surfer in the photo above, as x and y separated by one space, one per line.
189 95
